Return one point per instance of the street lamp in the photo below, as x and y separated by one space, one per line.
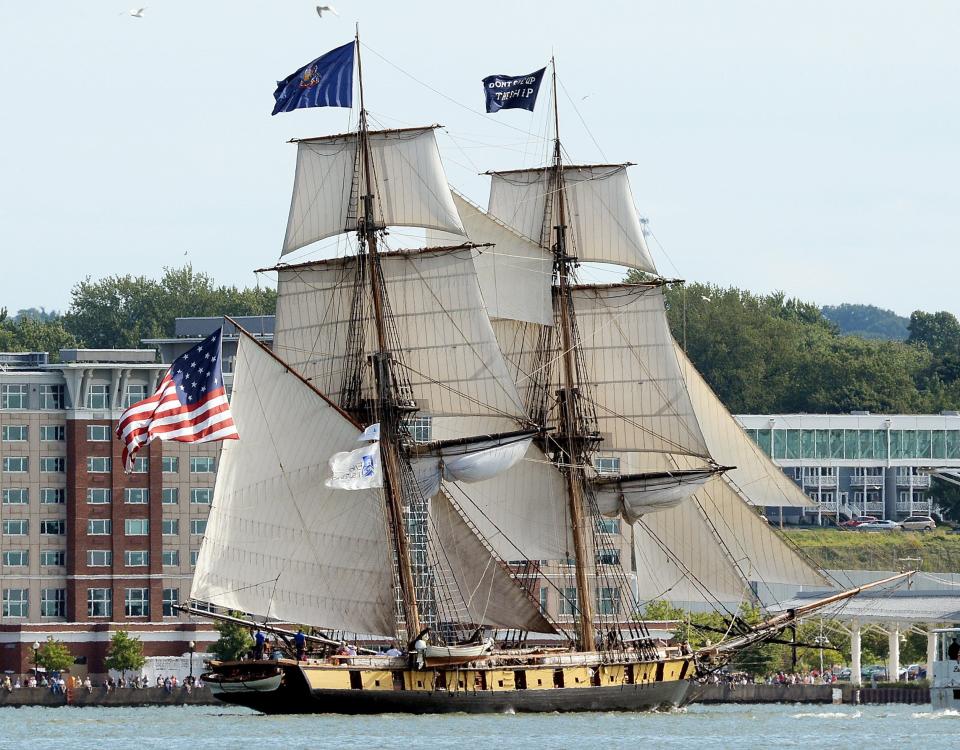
191 646
36 660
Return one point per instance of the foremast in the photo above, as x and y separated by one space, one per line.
577 434
389 406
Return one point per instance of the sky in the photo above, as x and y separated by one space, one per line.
810 147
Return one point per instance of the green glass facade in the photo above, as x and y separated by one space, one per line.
858 445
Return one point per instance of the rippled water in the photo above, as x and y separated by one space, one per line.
768 726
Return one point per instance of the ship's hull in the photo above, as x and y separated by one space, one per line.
297 695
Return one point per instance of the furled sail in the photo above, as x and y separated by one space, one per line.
447 346
601 216
641 398
411 186
278 542
634 495
755 474
468 460
491 595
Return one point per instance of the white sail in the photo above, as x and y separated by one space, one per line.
446 343
634 496
410 185
471 460
602 220
755 474
640 395
515 274
278 542
492 596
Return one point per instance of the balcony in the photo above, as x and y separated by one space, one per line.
815 480
917 481
866 480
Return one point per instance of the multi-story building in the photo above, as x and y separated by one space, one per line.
859 463
85 548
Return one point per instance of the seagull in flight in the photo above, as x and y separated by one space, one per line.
327 8
705 298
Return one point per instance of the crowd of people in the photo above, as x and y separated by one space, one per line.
58 684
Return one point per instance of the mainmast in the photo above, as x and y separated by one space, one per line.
388 406
573 440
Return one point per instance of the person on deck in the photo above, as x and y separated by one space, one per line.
953 651
300 641
259 639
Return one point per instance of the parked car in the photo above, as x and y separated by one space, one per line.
844 674
919 523
854 522
886 525
916 672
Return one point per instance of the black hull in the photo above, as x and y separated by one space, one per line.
295 697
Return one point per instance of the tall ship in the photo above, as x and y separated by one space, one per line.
433 425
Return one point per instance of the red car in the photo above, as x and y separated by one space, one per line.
854 522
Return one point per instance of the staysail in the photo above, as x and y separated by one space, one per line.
411 186
278 542
603 220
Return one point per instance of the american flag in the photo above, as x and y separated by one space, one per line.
190 406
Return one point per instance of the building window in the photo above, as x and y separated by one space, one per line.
134 394
137 603
136 527
200 495
53 496
53 602
53 527
53 464
14 433
98 464
194 554
51 396
141 465
13 396
608 557
16 496
136 558
136 496
52 433
608 601
171 495
171 557
568 600
98 397
607 464
16 464
53 558
16 603
171 597
170 464
99 603
16 527
171 526
198 526
16 558
98 433
99 558
610 525
421 429
202 465
98 496
99 527
544 598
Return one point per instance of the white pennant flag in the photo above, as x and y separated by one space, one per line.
357 469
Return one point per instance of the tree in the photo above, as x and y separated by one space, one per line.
234 641
54 656
126 653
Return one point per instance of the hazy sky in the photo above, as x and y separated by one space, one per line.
811 147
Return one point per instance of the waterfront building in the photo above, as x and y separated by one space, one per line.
859 463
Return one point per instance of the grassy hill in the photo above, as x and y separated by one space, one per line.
858 550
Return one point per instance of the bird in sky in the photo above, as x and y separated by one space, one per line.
136 12
326 8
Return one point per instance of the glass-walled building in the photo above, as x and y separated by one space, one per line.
860 463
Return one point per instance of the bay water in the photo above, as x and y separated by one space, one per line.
700 727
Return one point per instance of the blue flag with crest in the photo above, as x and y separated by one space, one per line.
512 92
325 82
